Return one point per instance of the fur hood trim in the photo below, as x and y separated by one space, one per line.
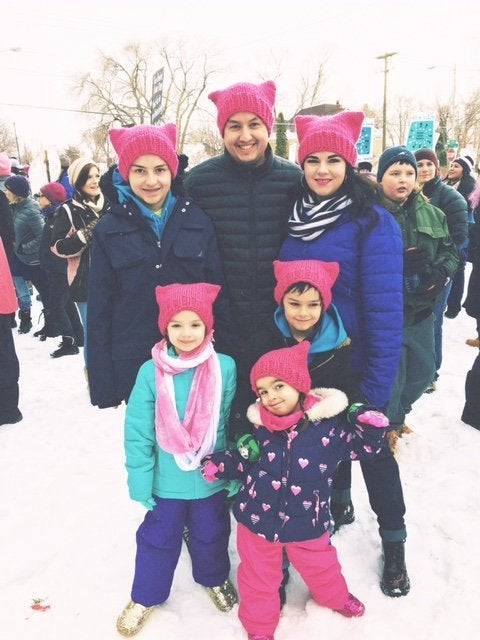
331 403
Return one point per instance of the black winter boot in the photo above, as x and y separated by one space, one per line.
67 347
395 581
42 333
342 513
25 321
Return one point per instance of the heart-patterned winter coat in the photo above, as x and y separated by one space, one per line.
285 495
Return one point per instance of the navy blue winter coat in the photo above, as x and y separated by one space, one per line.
285 495
127 262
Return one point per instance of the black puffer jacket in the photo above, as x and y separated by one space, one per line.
453 205
249 208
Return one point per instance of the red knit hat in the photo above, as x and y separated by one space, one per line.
321 275
338 134
145 139
54 191
428 154
198 297
289 364
244 96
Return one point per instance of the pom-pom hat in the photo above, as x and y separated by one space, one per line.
244 96
145 139
18 185
392 156
338 134
319 274
54 191
428 154
198 297
289 364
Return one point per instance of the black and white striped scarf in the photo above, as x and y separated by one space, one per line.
309 219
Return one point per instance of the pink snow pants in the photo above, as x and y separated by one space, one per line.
260 575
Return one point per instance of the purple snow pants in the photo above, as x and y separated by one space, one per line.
159 542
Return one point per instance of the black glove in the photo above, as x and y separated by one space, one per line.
416 260
434 282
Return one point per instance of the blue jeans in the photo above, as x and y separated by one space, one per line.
439 311
23 293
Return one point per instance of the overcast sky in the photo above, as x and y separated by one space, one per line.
61 40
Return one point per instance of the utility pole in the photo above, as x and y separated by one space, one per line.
385 57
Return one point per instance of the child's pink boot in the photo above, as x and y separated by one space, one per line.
353 608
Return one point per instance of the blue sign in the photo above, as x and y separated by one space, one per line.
365 142
421 135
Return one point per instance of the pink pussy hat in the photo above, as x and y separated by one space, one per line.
145 139
289 364
198 297
244 96
338 134
319 274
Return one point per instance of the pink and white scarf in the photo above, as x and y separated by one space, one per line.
190 439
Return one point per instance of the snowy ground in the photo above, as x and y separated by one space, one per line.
67 531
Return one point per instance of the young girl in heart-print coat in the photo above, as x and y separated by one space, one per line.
283 504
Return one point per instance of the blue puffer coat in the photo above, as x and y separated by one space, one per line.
368 292
285 495
127 262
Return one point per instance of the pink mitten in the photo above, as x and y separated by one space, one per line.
373 419
209 471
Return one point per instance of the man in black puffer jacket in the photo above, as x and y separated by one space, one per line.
246 192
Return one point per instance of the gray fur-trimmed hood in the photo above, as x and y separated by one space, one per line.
331 403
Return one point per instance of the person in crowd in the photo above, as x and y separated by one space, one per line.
336 217
61 315
430 261
454 207
9 367
471 409
5 169
28 227
472 301
460 177
154 235
245 191
63 178
302 435
365 167
177 413
73 226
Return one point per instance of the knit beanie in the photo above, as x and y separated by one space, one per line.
145 139
321 275
5 164
391 156
466 163
289 364
75 169
244 96
338 134
198 297
428 154
18 185
55 192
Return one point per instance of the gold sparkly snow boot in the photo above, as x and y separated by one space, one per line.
224 596
132 618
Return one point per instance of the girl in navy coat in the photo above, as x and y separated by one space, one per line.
153 236
283 504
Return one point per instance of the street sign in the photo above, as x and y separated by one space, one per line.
157 92
421 134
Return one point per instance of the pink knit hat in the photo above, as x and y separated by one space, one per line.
244 96
54 191
338 134
145 139
198 297
289 364
321 275
5 164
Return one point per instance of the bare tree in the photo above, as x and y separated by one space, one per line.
7 139
397 127
120 91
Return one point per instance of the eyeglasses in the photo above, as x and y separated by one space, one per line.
39 195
